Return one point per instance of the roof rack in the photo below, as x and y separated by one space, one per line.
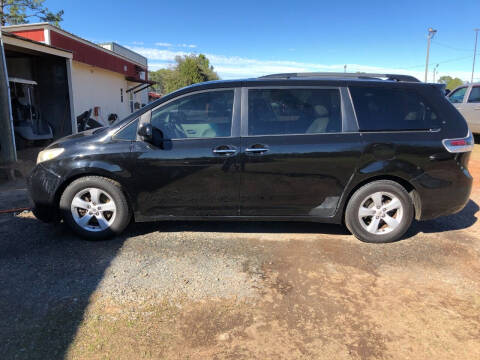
359 75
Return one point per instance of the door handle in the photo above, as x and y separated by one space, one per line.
256 149
224 150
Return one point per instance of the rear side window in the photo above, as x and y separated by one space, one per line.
391 109
474 95
293 111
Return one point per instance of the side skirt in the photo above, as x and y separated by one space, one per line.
332 220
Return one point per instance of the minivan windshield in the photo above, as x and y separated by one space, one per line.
128 118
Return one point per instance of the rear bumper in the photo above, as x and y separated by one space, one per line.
443 194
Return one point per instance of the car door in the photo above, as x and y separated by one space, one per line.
470 109
190 168
299 150
459 99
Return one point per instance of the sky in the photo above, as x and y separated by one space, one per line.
251 38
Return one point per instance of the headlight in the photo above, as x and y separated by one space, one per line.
49 154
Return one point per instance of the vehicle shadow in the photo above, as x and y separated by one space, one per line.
47 276
248 227
461 220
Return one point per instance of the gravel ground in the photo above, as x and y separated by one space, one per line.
182 265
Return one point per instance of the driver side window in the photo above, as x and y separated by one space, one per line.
201 115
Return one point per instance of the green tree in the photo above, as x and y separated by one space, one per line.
188 70
14 12
159 77
451 83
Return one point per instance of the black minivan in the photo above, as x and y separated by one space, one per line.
371 151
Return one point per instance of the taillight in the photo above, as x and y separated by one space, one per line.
459 145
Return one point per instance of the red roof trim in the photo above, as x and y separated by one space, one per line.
92 56
13 36
85 52
36 35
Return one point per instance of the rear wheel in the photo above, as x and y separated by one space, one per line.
379 212
95 207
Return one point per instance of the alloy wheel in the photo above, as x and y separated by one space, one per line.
380 213
93 209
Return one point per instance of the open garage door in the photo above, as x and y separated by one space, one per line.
39 88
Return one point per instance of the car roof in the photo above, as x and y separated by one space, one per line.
344 75
335 80
292 79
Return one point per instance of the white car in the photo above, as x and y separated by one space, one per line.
466 99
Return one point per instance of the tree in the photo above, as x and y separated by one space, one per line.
14 12
451 83
188 70
160 77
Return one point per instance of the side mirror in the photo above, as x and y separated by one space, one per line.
146 132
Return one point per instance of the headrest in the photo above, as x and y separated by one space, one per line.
320 110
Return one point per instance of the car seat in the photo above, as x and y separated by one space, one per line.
321 121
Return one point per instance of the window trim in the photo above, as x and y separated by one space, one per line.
235 127
347 117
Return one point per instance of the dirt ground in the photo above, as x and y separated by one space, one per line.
242 291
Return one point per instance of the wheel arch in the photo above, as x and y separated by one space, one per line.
77 175
412 191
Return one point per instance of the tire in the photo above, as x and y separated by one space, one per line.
95 207
46 214
373 224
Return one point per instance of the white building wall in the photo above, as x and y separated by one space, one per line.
93 86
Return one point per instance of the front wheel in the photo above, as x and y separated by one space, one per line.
379 212
95 207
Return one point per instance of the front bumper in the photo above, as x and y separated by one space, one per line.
43 184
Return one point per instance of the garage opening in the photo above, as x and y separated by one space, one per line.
39 95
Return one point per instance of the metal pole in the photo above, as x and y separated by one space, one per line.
7 143
428 54
474 53
431 34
